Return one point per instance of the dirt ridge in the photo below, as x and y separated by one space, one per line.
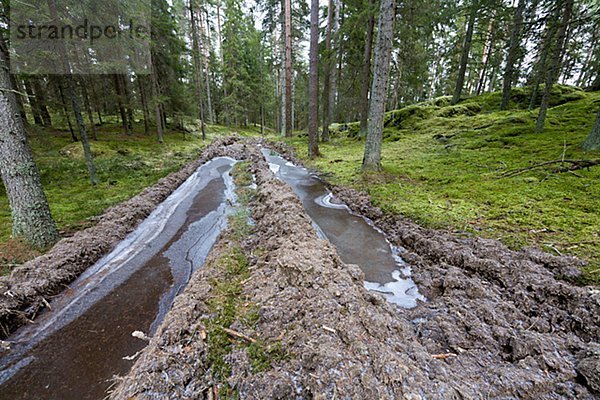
483 333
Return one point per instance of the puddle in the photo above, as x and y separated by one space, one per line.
356 239
73 351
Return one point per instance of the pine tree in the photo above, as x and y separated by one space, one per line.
381 69
31 217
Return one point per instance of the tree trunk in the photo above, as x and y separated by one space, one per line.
381 70
327 73
288 67
33 103
554 70
489 48
121 104
592 142
366 71
513 53
19 98
145 108
31 217
41 101
205 48
335 72
542 64
197 67
88 107
313 82
61 92
464 58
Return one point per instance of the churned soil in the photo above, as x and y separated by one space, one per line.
496 324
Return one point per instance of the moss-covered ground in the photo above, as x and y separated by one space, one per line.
443 166
126 165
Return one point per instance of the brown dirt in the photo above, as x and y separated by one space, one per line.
23 292
497 323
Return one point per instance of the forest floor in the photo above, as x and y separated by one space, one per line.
443 168
275 313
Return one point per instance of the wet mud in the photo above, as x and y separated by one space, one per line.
496 323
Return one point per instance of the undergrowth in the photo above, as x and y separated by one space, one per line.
442 168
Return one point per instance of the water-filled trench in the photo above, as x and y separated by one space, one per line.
74 350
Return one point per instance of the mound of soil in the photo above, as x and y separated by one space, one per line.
497 323
24 292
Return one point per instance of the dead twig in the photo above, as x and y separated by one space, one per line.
574 166
239 335
443 356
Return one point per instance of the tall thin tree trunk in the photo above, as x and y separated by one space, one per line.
381 70
288 67
63 101
31 217
554 70
464 58
327 73
313 82
513 50
198 67
336 68
41 101
366 71
205 49
33 103
19 96
487 56
121 104
88 107
145 108
542 67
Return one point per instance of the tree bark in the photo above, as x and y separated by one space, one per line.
313 82
592 142
88 107
464 58
288 67
33 103
145 108
366 71
205 48
513 53
554 70
197 67
41 102
31 217
327 73
61 92
121 104
381 70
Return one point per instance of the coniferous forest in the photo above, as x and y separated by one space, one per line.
458 138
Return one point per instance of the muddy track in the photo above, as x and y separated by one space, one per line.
497 323
27 290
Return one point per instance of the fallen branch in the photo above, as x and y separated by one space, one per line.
239 335
574 166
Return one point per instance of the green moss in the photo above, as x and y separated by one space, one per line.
445 172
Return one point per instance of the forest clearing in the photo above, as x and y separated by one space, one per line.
356 199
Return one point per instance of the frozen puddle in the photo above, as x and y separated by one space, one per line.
357 240
74 350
